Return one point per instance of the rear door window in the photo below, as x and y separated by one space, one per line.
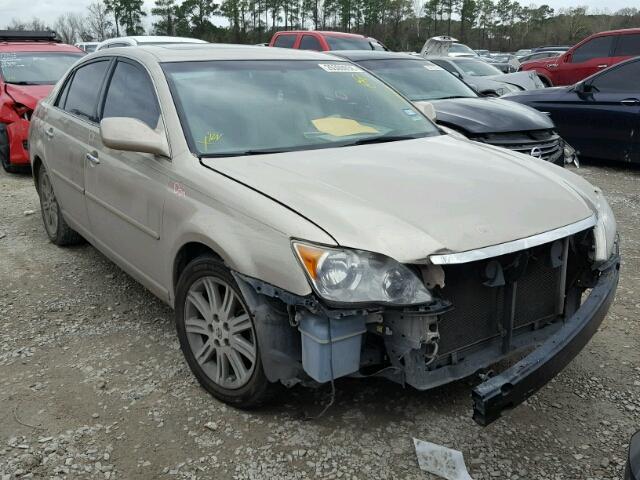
131 94
285 41
599 47
628 46
82 97
309 42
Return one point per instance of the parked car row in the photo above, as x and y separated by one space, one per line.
307 220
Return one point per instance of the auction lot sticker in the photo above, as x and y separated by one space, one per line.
339 68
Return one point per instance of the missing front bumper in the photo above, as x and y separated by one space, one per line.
519 382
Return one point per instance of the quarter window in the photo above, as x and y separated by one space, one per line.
599 47
82 97
309 42
628 46
131 94
621 79
285 41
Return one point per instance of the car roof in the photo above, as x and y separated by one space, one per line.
29 46
327 33
155 39
359 55
213 51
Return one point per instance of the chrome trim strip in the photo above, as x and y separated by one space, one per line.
515 245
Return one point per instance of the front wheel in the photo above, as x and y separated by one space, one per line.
4 150
218 336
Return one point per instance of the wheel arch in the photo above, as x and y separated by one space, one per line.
35 169
190 250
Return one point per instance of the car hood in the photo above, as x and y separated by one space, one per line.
489 115
545 94
28 95
413 198
524 80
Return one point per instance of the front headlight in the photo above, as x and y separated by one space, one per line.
354 276
606 230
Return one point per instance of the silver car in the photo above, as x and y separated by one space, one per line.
307 222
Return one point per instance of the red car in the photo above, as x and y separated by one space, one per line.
324 41
30 65
594 53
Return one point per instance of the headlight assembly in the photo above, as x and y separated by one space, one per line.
349 276
605 231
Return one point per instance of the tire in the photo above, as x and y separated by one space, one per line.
4 150
58 231
213 320
545 81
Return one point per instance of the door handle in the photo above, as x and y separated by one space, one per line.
93 159
630 102
49 133
604 65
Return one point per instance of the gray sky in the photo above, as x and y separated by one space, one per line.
48 10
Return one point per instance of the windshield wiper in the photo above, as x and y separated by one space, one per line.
452 96
264 151
22 82
382 139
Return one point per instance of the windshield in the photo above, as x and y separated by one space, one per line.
460 48
35 68
248 107
476 68
418 79
349 43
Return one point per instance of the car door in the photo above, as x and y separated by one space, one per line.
583 61
614 106
67 128
125 191
601 119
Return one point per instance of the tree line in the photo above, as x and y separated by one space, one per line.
403 25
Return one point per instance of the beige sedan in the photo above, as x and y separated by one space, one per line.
307 222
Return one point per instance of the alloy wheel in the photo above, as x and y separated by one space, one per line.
220 332
48 204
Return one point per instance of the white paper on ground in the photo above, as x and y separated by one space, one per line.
442 461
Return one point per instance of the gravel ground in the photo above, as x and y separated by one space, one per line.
93 384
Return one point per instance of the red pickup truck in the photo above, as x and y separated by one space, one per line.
323 41
594 53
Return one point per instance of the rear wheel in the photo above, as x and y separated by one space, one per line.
545 81
217 334
57 229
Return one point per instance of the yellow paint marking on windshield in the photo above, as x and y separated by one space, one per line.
341 127
209 138
362 81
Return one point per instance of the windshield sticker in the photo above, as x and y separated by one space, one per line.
363 81
209 139
339 68
433 67
410 112
341 127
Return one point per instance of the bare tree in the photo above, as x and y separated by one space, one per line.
66 29
98 22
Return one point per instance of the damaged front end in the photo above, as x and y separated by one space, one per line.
547 297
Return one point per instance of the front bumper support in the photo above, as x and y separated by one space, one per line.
516 384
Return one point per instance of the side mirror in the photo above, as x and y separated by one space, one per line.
566 58
427 109
132 135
